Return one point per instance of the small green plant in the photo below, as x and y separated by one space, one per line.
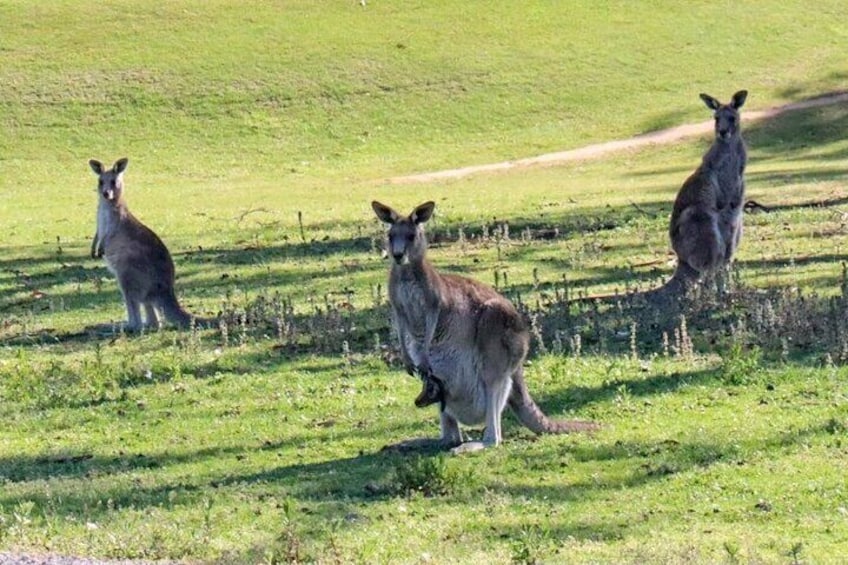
429 476
795 553
835 426
732 550
288 547
739 366
529 546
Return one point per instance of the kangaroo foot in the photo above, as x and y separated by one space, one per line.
470 447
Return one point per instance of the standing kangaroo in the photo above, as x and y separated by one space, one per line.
134 254
462 333
706 222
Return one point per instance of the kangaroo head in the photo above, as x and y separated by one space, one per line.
110 184
726 115
407 242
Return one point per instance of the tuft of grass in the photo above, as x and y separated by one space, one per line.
530 546
740 367
429 476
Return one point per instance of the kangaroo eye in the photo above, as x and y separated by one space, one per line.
410 236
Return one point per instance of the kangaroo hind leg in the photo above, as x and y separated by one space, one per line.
152 316
496 387
133 314
699 241
497 396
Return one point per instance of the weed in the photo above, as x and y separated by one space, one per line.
795 553
429 476
835 426
530 546
740 367
732 550
288 546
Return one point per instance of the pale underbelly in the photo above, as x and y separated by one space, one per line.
465 395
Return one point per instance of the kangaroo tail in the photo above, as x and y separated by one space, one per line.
533 418
684 274
174 313
684 278
178 316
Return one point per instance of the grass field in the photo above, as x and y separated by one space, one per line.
259 132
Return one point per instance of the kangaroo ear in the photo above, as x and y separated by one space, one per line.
739 99
711 102
422 213
385 213
120 165
96 166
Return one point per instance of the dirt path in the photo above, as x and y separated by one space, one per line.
37 559
597 150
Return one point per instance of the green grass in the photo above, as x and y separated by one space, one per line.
263 443
240 457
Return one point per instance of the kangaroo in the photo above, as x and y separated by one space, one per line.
134 254
706 222
463 334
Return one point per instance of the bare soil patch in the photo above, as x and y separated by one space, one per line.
594 151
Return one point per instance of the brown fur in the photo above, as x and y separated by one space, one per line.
134 254
464 334
706 222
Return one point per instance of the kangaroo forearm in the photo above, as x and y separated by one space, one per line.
429 332
403 342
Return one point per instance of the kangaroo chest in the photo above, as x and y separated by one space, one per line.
727 172
412 304
107 222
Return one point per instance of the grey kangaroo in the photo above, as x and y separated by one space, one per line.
463 334
706 222
134 254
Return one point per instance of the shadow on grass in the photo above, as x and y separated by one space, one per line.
30 283
789 135
39 270
82 464
363 477
835 260
655 461
262 254
577 397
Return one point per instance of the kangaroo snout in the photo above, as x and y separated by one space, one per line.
725 134
398 257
